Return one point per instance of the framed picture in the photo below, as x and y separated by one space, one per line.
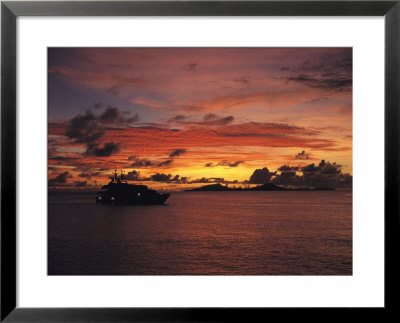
197 161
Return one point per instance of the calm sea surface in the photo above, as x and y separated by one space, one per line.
203 233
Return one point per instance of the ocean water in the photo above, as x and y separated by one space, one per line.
203 233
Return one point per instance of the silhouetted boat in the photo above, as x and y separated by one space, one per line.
118 192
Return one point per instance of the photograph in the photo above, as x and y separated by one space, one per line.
200 161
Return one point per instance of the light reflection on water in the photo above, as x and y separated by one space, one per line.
203 233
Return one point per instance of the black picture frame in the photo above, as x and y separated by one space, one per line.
10 10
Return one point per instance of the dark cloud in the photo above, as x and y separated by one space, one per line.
175 179
160 177
177 152
107 150
133 176
112 115
59 179
331 72
190 67
200 180
97 105
177 118
342 84
328 168
137 162
152 125
288 178
225 163
325 174
84 128
287 168
323 168
302 155
309 168
205 180
210 117
220 121
178 179
261 176
217 180
90 128
166 162
213 119
323 180
144 162
230 164
166 178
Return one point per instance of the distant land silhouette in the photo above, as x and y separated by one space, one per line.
263 187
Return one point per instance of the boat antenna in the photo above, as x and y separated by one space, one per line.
115 174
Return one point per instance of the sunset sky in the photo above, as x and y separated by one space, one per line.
179 117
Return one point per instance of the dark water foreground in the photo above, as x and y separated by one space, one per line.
203 233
